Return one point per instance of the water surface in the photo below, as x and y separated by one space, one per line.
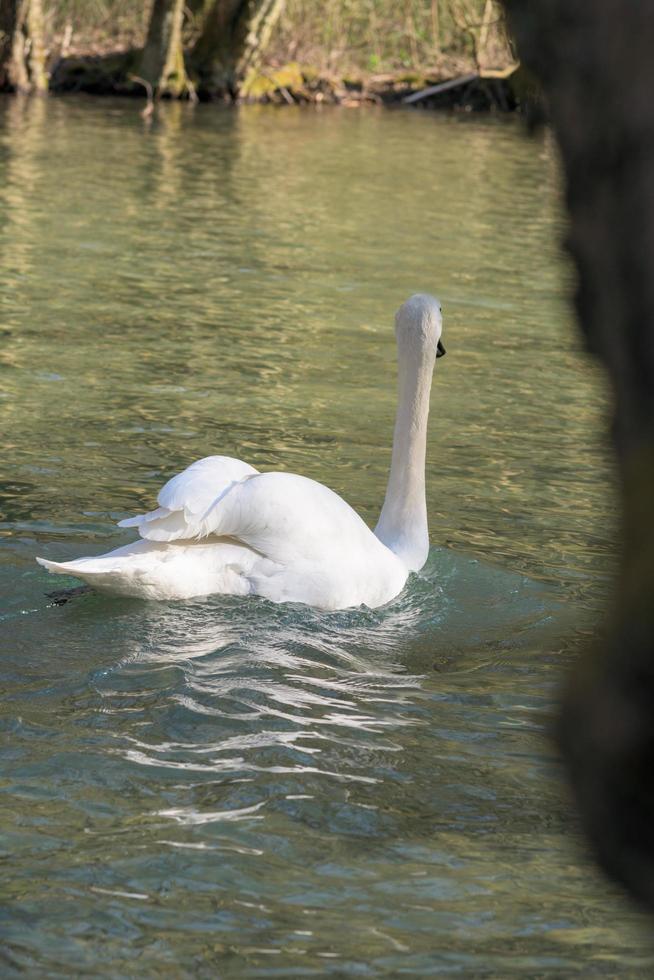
225 787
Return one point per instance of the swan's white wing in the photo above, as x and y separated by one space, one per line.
187 498
287 517
314 547
280 515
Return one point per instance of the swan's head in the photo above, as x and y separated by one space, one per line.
419 324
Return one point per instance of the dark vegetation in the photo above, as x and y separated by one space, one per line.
346 51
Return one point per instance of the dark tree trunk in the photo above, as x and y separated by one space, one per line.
8 22
22 51
162 62
594 61
233 36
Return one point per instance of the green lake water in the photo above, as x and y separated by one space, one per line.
228 788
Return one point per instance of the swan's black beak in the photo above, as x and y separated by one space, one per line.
440 350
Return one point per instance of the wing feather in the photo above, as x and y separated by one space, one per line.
187 499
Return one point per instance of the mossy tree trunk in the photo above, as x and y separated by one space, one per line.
594 62
162 62
232 38
485 27
22 48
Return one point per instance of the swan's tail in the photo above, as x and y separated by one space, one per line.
77 568
101 573
152 570
124 571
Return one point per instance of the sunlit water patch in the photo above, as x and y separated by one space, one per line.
226 787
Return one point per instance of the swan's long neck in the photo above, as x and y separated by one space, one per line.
402 525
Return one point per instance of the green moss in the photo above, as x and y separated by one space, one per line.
413 79
260 84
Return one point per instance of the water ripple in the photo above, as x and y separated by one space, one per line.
229 788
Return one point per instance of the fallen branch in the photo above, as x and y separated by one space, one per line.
425 93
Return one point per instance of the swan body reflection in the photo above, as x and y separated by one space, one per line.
223 527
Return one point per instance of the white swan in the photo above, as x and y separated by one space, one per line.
222 527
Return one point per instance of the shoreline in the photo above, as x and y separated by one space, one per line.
463 88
